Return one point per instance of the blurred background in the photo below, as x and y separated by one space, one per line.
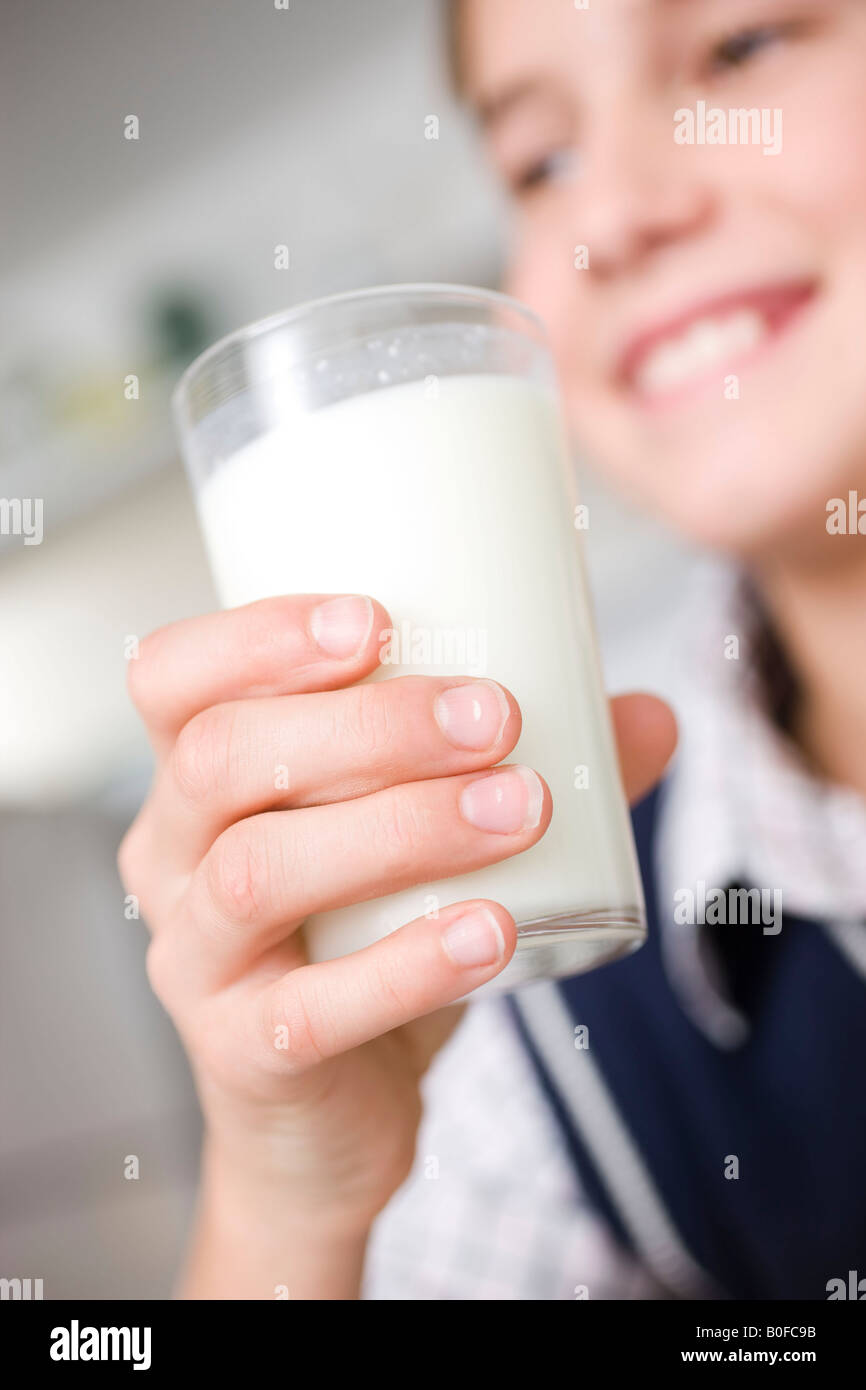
122 258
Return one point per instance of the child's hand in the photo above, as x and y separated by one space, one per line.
308 1074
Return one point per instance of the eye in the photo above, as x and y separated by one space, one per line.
739 48
543 171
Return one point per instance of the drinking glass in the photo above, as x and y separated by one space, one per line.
406 442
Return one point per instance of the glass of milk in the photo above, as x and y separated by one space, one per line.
406 442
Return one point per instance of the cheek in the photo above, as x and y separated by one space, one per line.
542 274
820 171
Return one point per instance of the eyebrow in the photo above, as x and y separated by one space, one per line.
490 109
493 108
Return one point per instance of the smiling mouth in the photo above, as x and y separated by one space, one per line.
668 362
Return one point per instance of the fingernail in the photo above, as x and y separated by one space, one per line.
472 716
474 939
341 626
504 801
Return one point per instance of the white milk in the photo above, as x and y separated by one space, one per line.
451 503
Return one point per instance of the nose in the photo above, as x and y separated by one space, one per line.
638 191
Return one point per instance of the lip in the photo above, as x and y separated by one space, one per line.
777 304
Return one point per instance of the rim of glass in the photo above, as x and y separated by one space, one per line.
431 290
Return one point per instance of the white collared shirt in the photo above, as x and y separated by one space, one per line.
493 1208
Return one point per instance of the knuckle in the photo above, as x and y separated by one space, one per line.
128 855
297 1032
134 857
236 870
391 990
139 673
260 644
370 718
158 964
198 757
403 826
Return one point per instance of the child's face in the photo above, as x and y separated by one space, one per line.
713 352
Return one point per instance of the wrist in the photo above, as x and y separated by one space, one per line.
255 1239
245 1187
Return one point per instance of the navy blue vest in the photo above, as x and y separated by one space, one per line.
789 1103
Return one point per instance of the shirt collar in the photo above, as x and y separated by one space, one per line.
741 807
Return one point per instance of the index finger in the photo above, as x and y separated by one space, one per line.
277 646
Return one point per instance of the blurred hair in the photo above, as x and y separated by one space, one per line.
454 48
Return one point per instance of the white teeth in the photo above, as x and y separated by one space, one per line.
704 343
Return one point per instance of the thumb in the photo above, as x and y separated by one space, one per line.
646 736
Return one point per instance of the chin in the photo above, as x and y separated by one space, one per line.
748 509
746 529
754 483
